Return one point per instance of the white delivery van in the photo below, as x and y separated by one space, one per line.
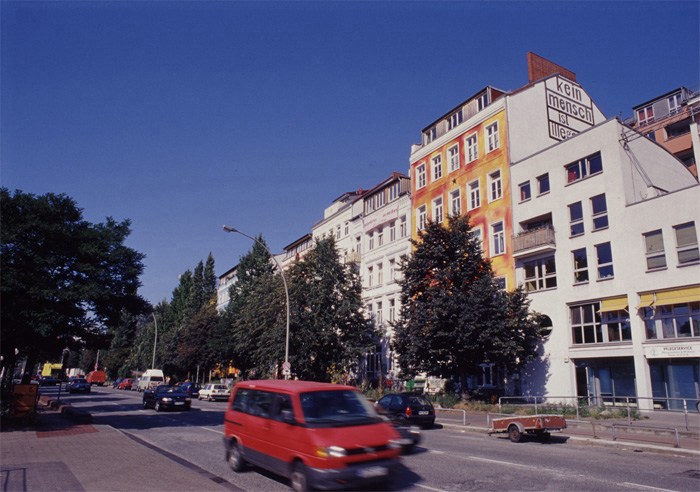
150 379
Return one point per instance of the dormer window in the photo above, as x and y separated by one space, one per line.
483 101
455 119
674 104
645 115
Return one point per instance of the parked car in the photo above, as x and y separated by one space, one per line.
166 398
411 408
126 384
78 385
135 385
213 392
191 389
318 435
48 381
116 383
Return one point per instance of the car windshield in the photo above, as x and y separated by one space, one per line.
220 387
418 400
168 389
336 408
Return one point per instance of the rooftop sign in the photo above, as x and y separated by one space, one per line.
569 108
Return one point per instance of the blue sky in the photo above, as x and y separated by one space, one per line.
184 116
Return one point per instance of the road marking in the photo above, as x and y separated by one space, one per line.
211 430
430 488
649 487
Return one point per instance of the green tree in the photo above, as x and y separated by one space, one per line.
329 326
454 317
65 280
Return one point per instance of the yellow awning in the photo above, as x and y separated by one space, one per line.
613 304
645 300
678 296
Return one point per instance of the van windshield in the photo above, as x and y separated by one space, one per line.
337 408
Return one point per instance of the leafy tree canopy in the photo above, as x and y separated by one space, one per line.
65 280
454 317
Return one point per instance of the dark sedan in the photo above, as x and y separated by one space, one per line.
166 398
410 408
48 381
78 385
191 389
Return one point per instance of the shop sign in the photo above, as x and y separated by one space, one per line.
569 108
381 217
672 350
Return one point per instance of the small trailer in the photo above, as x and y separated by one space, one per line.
517 425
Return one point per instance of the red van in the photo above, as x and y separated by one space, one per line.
319 435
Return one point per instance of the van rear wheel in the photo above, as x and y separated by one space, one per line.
300 482
235 457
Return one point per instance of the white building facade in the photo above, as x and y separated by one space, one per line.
387 234
608 251
343 221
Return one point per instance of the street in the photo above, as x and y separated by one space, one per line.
447 460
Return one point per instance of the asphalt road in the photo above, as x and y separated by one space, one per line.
447 460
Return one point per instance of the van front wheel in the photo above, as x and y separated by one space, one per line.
299 480
235 458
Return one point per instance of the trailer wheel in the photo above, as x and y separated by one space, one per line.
514 433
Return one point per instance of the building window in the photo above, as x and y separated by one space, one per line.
381 199
420 177
380 273
576 219
380 313
392 231
583 168
654 248
585 324
616 326
580 266
403 226
687 243
380 237
370 278
492 137
455 203
392 310
337 232
392 270
501 282
496 186
422 217
347 228
543 184
370 236
540 274
483 101
455 119
605 262
474 195
525 191
394 191
600 212
453 153
672 321
674 104
498 244
437 167
472 148
645 115
437 210
358 244
369 205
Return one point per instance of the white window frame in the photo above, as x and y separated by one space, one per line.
674 104
455 203
654 250
479 232
438 210
603 265
436 167
421 178
380 237
495 185
392 270
392 310
580 270
575 223
380 273
392 231
645 115
370 241
492 137
403 226
380 201
472 144
421 217
473 195
370 279
453 153
689 244
542 278
497 239
600 215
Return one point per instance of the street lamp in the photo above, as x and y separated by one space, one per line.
286 293
155 341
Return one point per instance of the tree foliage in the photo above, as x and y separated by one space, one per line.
65 280
454 317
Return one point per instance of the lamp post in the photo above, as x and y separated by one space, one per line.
286 291
155 341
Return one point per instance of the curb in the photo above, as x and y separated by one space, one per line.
74 414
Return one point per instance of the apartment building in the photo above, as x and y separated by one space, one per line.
671 120
343 221
386 225
608 251
223 297
295 251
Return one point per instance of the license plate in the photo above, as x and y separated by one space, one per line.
179 403
423 412
372 471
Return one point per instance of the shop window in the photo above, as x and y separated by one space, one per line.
672 321
617 326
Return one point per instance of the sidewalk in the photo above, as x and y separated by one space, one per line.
58 454
654 432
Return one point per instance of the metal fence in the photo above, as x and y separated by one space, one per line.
629 403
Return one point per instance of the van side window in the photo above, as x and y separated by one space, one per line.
240 401
282 403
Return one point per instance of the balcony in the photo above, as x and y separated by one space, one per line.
353 257
533 242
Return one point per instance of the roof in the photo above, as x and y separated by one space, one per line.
460 105
292 386
657 98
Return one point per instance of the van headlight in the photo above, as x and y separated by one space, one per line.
331 452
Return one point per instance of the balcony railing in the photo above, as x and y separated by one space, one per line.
538 239
354 257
